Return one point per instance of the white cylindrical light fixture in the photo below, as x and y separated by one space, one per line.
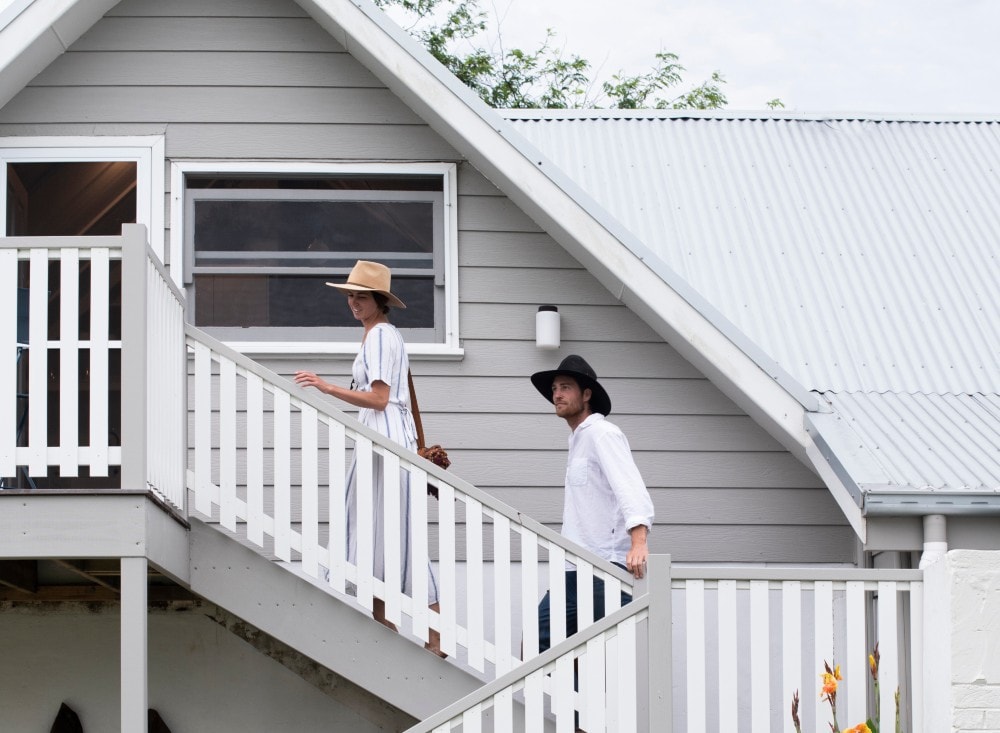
547 327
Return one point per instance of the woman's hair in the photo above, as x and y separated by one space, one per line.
381 301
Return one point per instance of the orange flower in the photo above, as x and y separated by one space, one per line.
829 684
859 728
830 679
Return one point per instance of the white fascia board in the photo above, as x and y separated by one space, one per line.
825 453
531 182
38 34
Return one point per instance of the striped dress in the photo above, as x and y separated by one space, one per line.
383 359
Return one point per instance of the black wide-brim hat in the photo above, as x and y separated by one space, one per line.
576 367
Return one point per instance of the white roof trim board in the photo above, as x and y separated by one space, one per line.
618 256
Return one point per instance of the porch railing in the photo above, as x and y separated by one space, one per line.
93 376
722 650
269 461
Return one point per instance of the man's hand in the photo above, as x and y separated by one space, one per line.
635 560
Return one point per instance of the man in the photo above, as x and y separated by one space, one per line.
606 507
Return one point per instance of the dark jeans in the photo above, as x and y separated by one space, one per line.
544 614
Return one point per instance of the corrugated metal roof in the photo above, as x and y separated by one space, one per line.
962 454
860 254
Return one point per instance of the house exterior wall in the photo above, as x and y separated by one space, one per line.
260 80
201 676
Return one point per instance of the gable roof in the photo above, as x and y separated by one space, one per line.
860 254
617 257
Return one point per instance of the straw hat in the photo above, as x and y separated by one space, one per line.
370 277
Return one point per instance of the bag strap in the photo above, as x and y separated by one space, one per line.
416 412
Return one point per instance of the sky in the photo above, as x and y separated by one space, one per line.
897 57
890 56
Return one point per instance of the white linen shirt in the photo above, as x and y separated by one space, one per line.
605 494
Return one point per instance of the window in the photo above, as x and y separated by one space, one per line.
80 186
73 199
259 247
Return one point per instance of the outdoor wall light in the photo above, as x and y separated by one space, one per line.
547 327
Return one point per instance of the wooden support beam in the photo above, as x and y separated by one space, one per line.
82 571
20 575
92 593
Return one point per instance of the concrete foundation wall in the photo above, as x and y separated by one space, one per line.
201 676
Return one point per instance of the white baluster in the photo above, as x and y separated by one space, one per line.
534 699
202 429
8 365
503 710
916 696
856 663
282 476
585 595
227 444
728 651
760 656
823 598
419 553
449 596
695 612
365 522
529 594
627 708
502 593
593 692
100 277
38 368
474 583
255 459
791 644
392 537
310 491
69 362
889 672
337 490
563 695
557 594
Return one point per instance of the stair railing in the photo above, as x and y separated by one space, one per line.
269 462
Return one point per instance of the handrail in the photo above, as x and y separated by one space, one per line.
431 469
222 377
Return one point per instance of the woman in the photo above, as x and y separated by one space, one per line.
381 392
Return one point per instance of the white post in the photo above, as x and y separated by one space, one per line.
937 648
134 671
660 644
134 358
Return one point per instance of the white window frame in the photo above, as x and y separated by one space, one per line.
450 347
147 152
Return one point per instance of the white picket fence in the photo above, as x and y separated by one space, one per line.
721 651
269 461
76 287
